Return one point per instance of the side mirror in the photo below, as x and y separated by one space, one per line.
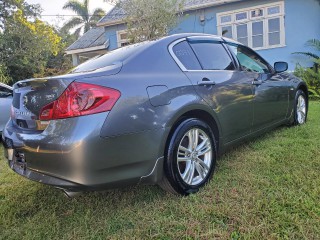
280 67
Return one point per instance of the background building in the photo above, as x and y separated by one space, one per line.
274 28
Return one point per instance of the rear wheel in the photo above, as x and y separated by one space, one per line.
300 108
190 158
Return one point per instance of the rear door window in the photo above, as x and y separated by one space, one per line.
212 56
186 56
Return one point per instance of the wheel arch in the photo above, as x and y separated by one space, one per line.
199 113
303 87
190 111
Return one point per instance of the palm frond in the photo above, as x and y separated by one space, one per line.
97 15
308 54
315 43
77 7
72 23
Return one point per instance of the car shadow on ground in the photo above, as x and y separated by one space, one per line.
36 198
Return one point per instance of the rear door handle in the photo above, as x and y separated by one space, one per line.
206 81
257 82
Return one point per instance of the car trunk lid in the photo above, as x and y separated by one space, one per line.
30 96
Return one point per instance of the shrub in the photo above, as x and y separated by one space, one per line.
4 77
312 77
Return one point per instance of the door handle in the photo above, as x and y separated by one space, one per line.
257 82
206 81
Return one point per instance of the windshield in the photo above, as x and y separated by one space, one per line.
110 58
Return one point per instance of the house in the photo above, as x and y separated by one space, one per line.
94 42
274 28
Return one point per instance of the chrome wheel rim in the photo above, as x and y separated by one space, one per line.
194 157
301 110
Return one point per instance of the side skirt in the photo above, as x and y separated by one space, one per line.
252 135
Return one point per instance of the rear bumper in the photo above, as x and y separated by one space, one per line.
18 164
42 178
70 154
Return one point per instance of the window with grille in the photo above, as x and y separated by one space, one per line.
122 38
258 27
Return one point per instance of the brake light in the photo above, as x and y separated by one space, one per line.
80 99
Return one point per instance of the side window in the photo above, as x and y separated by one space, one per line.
4 92
249 60
186 56
212 56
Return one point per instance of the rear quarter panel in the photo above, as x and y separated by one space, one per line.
134 113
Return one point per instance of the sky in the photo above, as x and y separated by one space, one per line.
55 7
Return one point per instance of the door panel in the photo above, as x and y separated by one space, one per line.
271 100
231 97
271 91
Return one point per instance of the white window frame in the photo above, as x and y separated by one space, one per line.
250 20
121 41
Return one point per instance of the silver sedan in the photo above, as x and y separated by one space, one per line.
5 104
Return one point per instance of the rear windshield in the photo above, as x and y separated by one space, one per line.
110 58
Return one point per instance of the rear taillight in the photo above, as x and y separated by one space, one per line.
80 99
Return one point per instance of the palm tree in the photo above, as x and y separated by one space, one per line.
84 20
315 44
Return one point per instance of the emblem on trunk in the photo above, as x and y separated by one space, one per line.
22 113
50 97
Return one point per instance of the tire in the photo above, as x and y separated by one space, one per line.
190 158
300 109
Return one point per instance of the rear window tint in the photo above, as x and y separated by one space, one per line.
111 58
213 56
186 56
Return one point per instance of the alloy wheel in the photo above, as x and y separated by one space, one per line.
301 110
194 157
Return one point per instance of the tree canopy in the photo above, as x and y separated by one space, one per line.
149 19
27 45
9 7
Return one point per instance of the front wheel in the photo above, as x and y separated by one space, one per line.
300 108
190 158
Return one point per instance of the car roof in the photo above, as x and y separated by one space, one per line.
6 86
230 40
186 35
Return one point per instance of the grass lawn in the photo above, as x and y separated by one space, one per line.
265 189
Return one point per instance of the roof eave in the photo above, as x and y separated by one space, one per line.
89 49
107 24
197 7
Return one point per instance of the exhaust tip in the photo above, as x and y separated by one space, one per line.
70 194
